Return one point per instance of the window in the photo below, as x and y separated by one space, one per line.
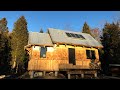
93 54
43 52
90 54
74 35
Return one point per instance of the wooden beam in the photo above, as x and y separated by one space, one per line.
57 44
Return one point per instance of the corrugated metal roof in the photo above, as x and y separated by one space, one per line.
59 36
36 38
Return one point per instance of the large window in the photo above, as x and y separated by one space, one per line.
43 52
90 54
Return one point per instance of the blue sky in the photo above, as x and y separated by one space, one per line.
60 19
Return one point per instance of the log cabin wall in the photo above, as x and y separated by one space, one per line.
57 55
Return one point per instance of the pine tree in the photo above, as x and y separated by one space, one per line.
111 43
19 38
3 25
5 48
41 31
86 29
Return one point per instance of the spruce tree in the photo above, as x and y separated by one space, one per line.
3 25
41 31
111 43
19 38
5 48
86 29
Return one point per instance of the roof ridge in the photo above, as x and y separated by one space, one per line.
38 32
68 31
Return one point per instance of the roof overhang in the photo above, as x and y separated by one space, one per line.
64 43
30 45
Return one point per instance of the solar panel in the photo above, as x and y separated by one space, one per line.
81 36
77 36
74 35
68 34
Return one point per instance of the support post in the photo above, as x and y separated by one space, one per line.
44 73
68 76
76 77
95 74
31 74
56 73
82 75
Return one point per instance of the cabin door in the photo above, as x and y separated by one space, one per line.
71 56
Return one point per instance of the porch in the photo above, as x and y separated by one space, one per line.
71 69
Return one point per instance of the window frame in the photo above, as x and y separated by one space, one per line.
43 51
91 55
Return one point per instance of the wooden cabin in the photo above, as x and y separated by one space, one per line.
60 50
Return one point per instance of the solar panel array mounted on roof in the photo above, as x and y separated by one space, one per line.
74 35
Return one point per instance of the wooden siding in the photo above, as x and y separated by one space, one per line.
45 65
58 56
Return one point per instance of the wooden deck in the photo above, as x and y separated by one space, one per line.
77 69
74 67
